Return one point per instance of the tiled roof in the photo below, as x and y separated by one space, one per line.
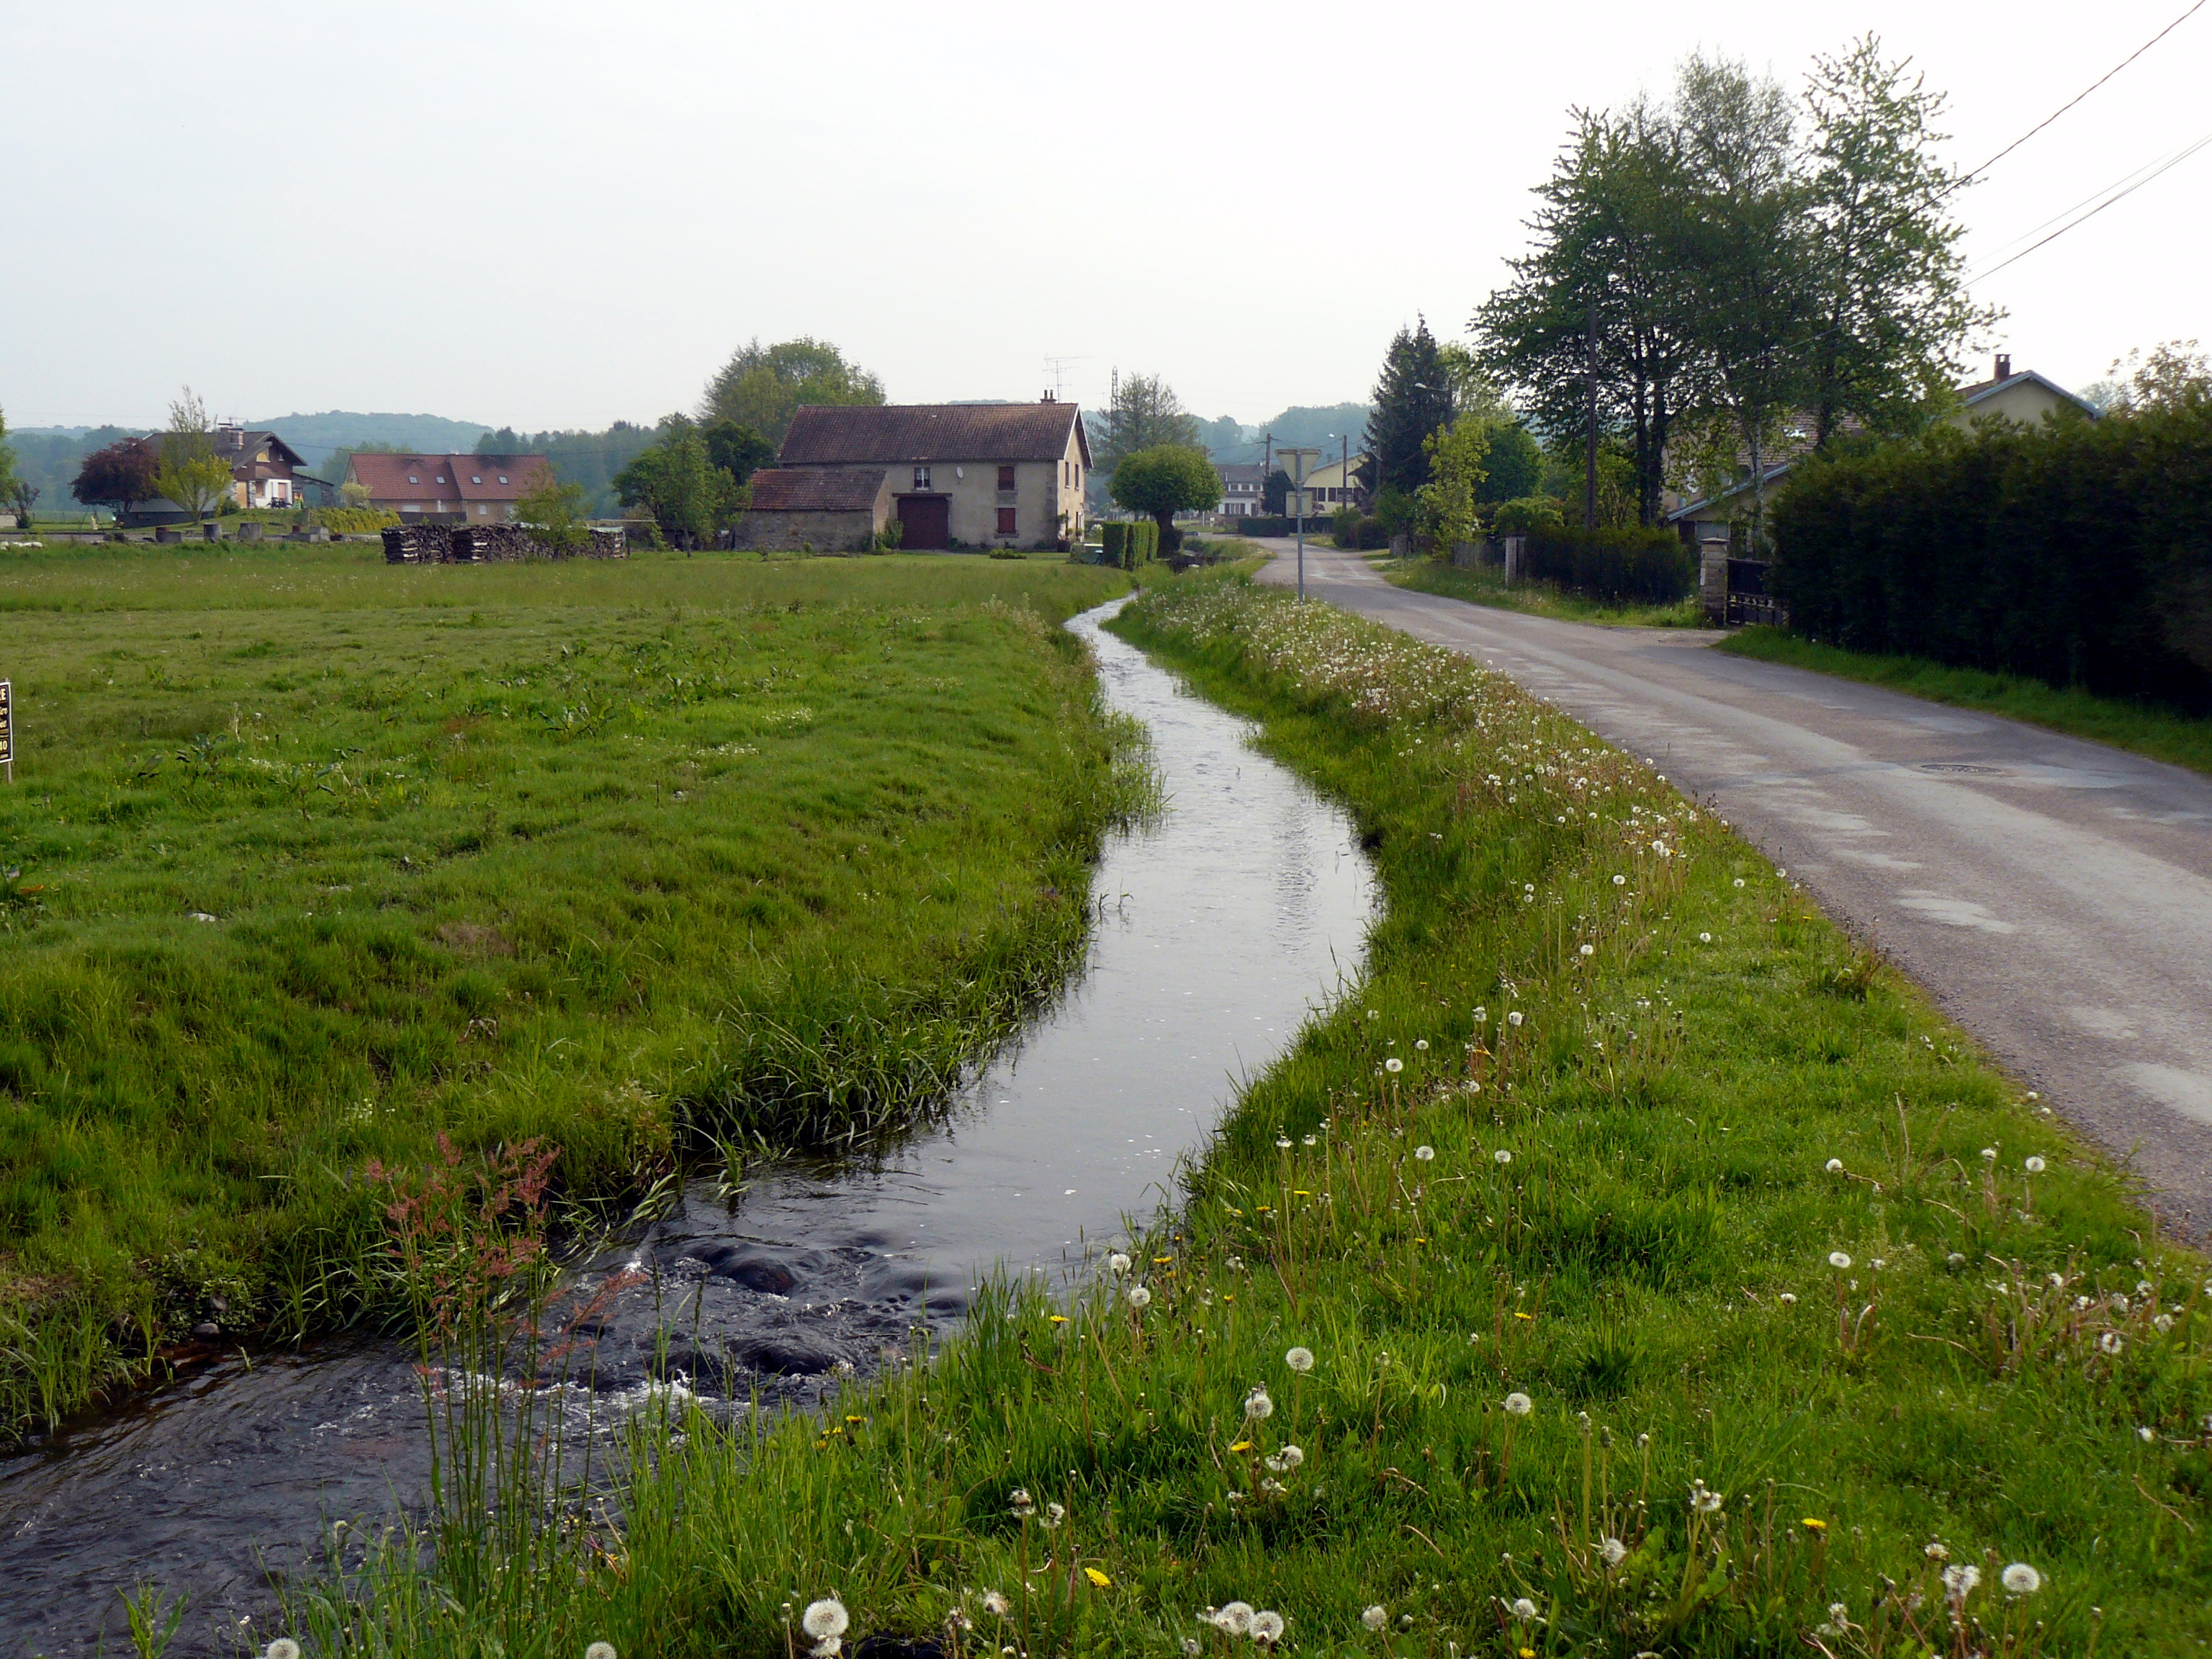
895 434
815 490
446 477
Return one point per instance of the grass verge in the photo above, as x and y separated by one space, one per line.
312 859
2146 729
1633 1265
1487 586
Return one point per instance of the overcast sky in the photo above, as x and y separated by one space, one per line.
556 214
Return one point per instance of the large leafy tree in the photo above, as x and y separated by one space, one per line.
762 387
1145 414
120 475
737 450
677 482
7 459
1889 306
1458 463
190 472
1412 403
1163 481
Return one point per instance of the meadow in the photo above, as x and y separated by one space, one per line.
311 861
1631 1265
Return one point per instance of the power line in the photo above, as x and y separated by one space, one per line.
2111 193
1969 178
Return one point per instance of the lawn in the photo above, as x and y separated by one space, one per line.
2162 733
1486 585
311 860
1631 1265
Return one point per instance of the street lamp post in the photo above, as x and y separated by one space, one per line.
1295 462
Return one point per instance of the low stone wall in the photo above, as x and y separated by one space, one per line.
825 532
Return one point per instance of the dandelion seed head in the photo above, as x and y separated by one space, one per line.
1620 881
2146 1434
1788 1299
1960 1579
1266 1626
1839 1261
1482 1012
1514 1018
2110 1342
1299 1359
1140 1297
1704 938
1935 1550
1523 1607
1117 1263
1190 1648
995 1604
1518 1404
1613 1551
1375 1618
1282 1143
1425 1153
1421 1044
1501 1156
1235 1618
1291 1457
826 1619
1258 1406
1989 1154
1394 1065
285 1648
1590 950
1835 1166
1020 1504
2033 1166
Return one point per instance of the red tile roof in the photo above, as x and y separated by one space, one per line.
897 434
812 489
445 478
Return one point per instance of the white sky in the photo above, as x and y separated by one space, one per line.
555 215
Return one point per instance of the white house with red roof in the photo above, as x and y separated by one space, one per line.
445 488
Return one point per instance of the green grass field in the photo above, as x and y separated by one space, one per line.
2161 733
1631 1266
310 859
1487 586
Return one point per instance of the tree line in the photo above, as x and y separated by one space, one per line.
1740 274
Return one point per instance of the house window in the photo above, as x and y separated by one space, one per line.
442 477
921 477
502 477
411 478
1006 518
1006 477
474 479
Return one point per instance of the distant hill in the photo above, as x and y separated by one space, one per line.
1304 426
315 436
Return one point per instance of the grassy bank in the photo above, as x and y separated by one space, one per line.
312 860
1635 1265
2161 733
1487 586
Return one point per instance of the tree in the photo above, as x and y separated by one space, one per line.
1145 414
1889 304
120 475
762 387
1412 401
737 450
1445 505
553 512
677 483
190 473
1275 492
1514 467
1748 263
2173 375
1163 481
25 495
7 458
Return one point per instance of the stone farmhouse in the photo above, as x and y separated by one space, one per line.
953 475
445 488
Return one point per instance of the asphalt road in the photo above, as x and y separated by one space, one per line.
2053 894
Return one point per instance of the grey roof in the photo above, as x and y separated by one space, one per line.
894 434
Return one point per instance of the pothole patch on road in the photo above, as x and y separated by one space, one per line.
1968 767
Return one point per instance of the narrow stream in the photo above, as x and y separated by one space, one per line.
1220 926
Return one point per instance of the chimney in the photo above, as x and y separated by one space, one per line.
2004 365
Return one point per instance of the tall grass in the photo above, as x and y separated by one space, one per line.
1635 1265
311 860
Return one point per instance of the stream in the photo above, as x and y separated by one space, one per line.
1218 928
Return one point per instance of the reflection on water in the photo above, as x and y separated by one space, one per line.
1219 927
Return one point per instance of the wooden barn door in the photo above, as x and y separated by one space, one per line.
928 521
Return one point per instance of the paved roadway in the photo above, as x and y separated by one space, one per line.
2054 895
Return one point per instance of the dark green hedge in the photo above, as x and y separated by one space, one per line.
1649 566
2075 552
1130 543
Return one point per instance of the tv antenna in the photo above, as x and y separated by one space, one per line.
1057 368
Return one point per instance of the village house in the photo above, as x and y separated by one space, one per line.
444 488
1336 484
264 472
953 475
1243 489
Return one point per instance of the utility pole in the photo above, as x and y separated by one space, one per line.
1589 477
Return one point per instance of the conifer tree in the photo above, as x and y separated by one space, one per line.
1412 403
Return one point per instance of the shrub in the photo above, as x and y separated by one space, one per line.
2076 553
1651 566
1528 515
348 520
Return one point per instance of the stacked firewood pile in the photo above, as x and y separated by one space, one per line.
486 543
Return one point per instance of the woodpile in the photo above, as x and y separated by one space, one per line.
486 543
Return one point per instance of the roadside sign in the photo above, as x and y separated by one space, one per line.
7 730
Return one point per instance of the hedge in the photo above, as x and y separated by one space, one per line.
1650 567
1129 543
1275 523
2075 552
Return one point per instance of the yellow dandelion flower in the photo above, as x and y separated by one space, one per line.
1099 1579
1518 1314
1241 1445
1813 1524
